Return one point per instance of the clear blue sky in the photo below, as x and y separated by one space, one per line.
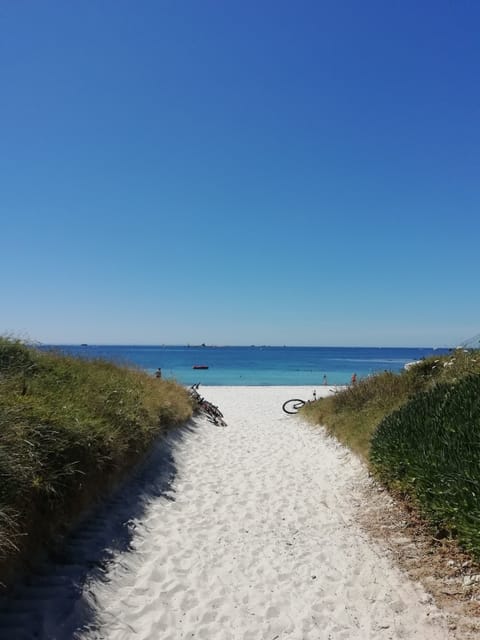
240 171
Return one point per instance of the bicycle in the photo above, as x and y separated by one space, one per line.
211 411
294 405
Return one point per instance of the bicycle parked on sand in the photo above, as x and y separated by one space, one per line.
211 411
292 406
295 404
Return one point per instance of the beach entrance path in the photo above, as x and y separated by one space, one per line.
254 537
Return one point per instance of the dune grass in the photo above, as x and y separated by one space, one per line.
419 432
70 429
352 415
429 450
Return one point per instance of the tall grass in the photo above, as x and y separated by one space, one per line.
353 414
430 450
68 429
419 431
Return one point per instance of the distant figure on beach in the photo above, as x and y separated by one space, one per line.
314 395
354 378
325 379
158 373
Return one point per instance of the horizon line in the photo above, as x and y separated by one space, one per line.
223 346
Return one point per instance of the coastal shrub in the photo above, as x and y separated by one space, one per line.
352 414
430 450
382 390
458 364
15 357
69 426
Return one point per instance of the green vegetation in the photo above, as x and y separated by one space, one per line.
69 430
352 415
420 433
430 449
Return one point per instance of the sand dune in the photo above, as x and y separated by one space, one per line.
251 534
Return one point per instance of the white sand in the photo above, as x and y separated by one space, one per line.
260 541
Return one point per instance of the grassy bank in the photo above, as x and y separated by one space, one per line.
430 450
419 431
353 414
69 430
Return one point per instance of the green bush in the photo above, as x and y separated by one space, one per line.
430 449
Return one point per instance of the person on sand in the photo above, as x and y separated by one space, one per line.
325 379
354 378
158 373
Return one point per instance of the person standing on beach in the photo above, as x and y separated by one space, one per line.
158 373
354 378
325 379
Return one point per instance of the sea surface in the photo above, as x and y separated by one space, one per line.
237 366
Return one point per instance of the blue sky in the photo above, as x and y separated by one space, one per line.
240 172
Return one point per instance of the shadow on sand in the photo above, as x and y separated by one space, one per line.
53 602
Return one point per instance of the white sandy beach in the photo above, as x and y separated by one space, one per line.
254 538
258 540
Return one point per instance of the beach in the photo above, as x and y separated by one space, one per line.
251 533
258 539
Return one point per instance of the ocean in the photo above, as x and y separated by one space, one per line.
270 366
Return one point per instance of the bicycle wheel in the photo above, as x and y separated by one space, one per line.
292 406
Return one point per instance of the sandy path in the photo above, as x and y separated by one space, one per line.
256 538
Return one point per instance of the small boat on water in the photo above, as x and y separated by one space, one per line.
200 366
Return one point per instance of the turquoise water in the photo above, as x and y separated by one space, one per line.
257 365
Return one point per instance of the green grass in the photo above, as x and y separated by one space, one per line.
430 450
69 429
419 431
353 415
